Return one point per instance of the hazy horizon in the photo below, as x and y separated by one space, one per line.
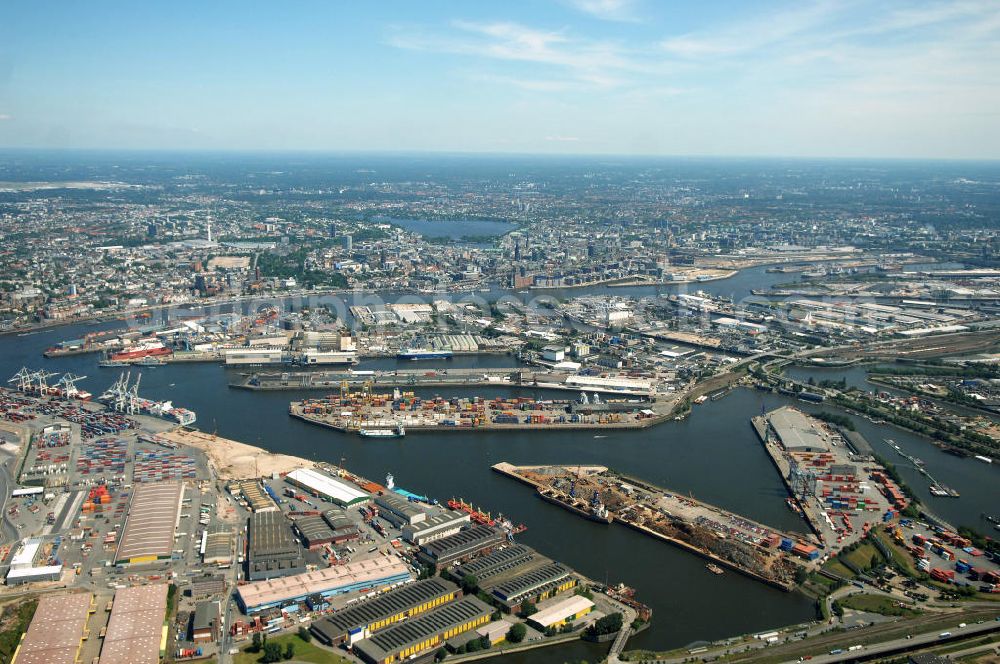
839 80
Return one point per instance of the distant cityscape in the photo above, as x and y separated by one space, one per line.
215 364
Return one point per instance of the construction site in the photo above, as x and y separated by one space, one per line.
725 539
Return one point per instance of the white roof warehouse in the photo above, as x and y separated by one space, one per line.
326 487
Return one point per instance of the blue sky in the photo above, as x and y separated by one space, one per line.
866 79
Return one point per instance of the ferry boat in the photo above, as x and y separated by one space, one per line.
713 568
142 349
398 432
424 354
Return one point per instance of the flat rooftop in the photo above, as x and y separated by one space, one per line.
363 573
326 486
561 610
56 630
153 514
796 431
135 627
271 536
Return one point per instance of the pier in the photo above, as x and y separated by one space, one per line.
463 377
721 537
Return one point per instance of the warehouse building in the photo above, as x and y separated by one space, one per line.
206 621
561 612
413 637
461 546
273 550
328 488
314 531
361 620
435 526
796 432
502 560
206 586
398 510
136 632
537 584
375 573
57 630
22 565
217 546
344 530
153 515
254 494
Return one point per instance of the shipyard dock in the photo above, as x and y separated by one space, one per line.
365 412
723 538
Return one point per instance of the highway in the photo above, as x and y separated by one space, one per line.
904 644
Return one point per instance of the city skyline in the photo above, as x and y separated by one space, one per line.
622 77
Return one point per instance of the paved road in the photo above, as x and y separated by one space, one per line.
628 617
8 533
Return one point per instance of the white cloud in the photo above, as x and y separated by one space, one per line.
593 63
4 116
563 139
608 10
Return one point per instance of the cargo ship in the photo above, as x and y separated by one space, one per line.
594 510
424 354
123 397
714 569
397 432
140 350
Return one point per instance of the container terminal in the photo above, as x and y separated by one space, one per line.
116 506
370 413
724 538
840 490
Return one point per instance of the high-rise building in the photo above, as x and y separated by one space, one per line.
348 243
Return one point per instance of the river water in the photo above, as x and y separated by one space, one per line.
714 454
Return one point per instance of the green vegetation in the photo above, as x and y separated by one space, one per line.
937 370
879 604
516 633
470 584
900 558
834 565
293 265
835 418
946 432
300 649
608 624
862 556
13 622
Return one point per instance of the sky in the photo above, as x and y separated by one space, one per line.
913 79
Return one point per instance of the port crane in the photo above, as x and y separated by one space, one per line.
68 384
23 378
123 397
42 380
